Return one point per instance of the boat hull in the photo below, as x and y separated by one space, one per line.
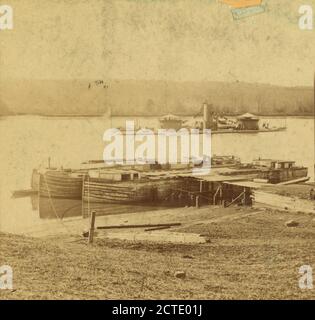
283 175
103 191
60 185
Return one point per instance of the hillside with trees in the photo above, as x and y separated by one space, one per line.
131 97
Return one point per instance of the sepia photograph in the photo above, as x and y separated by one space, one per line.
157 150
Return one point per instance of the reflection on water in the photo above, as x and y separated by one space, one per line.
52 208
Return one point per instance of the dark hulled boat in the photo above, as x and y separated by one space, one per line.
60 184
139 190
278 171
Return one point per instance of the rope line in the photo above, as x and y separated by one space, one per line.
52 204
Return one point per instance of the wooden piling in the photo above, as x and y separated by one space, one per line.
92 227
244 197
82 202
197 201
192 202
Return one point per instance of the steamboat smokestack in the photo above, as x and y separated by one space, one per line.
206 116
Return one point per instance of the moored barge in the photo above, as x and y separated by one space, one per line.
157 183
58 184
277 171
126 187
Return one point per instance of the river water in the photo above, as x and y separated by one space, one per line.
27 142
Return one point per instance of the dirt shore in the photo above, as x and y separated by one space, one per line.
250 254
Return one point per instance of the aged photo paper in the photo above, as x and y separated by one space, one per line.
157 149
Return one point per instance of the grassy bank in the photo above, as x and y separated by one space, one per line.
251 255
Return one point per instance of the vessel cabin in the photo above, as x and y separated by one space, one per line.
171 122
248 121
276 171
274 164
115 175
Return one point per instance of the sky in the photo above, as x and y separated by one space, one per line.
175 40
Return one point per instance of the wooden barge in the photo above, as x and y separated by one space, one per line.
277 171
152 184
126 187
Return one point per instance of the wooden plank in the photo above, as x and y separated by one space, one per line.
47 186
304 179
140 226
237 198
109 189
110 196
109 185
61 183
24 193
113 200
157 228
61 178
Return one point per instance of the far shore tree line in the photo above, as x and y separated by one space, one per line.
152 98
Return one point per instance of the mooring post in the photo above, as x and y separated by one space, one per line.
82 202
91 233
244 198
197 201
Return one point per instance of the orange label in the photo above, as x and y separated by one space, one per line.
242 3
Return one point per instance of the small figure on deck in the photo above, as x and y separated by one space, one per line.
266 125
312 194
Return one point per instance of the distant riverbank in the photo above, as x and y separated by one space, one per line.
306 116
